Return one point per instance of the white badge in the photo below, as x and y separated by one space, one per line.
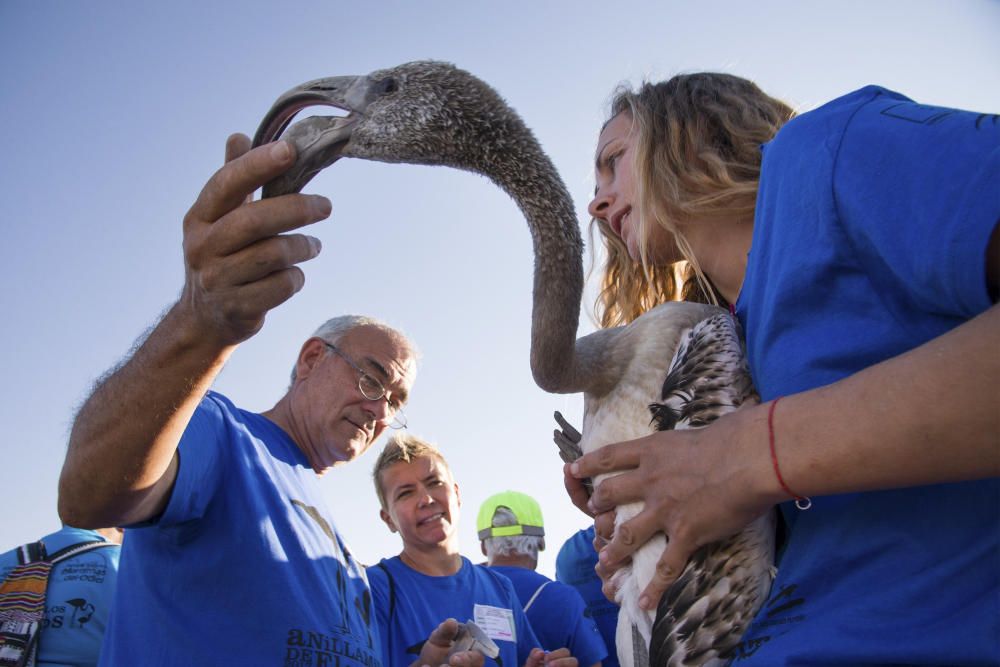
496 622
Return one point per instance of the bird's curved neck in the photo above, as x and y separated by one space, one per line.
530 178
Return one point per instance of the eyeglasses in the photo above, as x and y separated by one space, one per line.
373 390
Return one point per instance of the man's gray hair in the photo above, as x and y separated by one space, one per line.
336 328
511 545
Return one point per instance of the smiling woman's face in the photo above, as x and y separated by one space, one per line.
422 503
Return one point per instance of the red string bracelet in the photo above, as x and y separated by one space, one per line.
802 502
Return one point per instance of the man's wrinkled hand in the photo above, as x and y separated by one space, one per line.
240 261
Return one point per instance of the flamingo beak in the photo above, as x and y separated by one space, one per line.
319 140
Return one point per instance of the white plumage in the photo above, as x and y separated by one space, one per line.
681 365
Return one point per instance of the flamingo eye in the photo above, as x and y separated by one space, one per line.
387 85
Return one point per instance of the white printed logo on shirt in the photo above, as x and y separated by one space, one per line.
496 622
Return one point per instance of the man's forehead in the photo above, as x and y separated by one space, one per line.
387 353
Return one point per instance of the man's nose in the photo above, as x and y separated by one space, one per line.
378 410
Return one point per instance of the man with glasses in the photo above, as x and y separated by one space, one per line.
234 558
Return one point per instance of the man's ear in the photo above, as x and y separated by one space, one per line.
388 521
312 351
482 547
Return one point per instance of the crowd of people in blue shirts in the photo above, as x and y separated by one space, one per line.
858 245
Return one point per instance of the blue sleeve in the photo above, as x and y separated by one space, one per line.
918 192
201 463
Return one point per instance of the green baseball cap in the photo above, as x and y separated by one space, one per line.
523 506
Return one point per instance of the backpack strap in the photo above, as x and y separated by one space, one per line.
22 606
76 549
392 610
31 552
535 595
22 599
392 590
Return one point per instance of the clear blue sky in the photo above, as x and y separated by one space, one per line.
115 113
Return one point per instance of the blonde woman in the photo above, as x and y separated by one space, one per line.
858 244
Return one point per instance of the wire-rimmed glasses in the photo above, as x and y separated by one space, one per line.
372 389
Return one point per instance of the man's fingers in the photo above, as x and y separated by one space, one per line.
668 569
263 258
237 180
261 219
247 305
236 145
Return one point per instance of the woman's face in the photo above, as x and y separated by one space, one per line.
616 192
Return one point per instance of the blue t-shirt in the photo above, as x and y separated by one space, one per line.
872 223
558 615
419 603
245 566
77 599
575 566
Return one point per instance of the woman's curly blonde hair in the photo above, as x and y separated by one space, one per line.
698 158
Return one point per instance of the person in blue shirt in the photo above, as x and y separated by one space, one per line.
430 579
859 246
233 556
511 533
575 564
78 595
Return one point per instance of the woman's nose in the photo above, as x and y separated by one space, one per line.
598 206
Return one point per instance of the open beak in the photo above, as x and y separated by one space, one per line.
319 140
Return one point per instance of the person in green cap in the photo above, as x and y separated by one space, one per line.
511 533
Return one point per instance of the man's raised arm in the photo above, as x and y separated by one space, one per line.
239 263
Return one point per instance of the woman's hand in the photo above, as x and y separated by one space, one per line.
698 486
557 658
438 649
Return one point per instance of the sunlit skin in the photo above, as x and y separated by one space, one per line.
325 412
422 505
719 245
954 442
615 194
